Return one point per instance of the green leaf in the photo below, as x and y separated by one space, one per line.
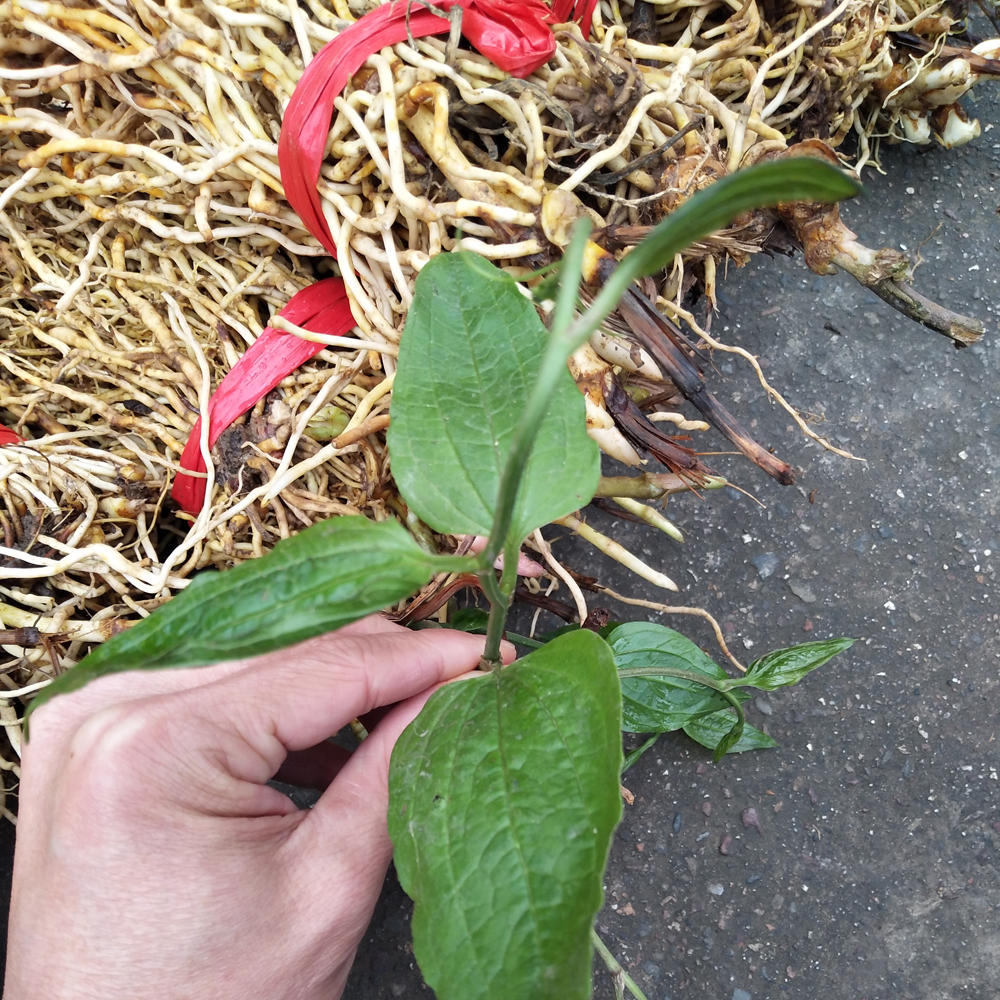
631 758
504 794
787 666
660 705
729 740
327 576
469 620
799 178
710 730
468 358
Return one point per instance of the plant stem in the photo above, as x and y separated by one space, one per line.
499 595
553 363
615 966
499 603
455 564
685 675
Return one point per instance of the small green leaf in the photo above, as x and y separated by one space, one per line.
799 178
729 740
632 757
660 705
325 577
710 730
468 359
469 620
504 794
787 666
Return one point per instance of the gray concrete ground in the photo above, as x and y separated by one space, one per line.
875 873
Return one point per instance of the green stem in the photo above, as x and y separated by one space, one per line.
554 360
523 640
499 596
499 604
685 675
615 966
455 564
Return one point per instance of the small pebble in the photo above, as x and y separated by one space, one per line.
763 706
907 768
813 797
651 969
754 878
678 823
716 889
702 836
706 808
750 819
766 564
802 591
739 994
808 627
727 840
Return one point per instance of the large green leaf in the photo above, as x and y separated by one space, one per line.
788 666
327 576
469 356
662 704
503 798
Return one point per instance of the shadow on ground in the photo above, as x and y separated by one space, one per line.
875 871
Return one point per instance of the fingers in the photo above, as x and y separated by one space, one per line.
349 821
526 566
68 711
315 767
302 696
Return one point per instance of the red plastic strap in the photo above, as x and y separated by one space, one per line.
7 436
581 11
321 308
514 34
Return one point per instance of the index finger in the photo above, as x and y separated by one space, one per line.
305 694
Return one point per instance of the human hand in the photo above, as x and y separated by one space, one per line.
152 860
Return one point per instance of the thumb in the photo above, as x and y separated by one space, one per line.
347 830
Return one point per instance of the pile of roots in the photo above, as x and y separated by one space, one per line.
145 242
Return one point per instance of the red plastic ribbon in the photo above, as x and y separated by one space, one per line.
320 308
514 34
7 436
